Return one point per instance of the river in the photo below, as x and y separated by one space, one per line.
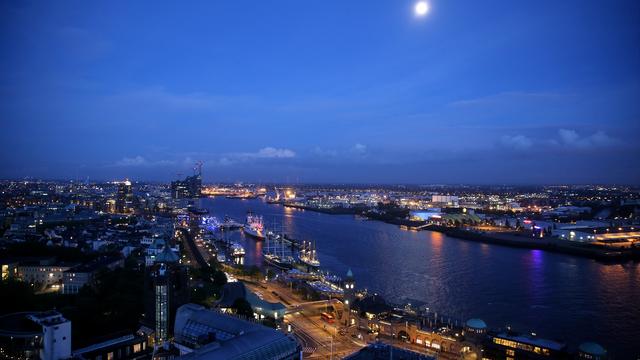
554 295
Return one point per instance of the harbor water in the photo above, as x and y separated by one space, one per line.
556 296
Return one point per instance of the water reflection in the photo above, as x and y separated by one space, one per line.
558 296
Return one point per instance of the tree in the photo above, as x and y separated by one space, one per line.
242 307
219 278
18 296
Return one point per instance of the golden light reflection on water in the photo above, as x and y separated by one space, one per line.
436 241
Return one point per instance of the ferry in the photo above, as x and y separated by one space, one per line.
254 226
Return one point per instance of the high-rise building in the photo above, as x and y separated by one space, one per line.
190 187
168 288
162 304
124 197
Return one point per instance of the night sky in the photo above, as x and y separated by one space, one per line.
322 91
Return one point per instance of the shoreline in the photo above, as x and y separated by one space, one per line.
546 244
505 239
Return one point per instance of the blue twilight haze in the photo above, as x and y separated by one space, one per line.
322 91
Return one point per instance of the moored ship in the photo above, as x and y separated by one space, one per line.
254 226
275 252
308 255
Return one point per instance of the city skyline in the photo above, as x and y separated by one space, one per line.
360 92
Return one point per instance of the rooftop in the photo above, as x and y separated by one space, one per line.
235 338
525 339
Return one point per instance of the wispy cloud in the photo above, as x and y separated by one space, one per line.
509 97
568 139
140 161
159 96
359 149
571 138
517 142
324 152
264 153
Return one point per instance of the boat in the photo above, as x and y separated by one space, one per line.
236 249
254 226
276 261
308 256
230 224
274 252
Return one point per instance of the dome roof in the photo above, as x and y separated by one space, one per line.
592 348
476 324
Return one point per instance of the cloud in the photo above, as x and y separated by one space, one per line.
510 98
268 152
571 138
140 161
324 152
134 161
517 142
159 96
359 149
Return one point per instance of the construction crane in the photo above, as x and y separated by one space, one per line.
197 170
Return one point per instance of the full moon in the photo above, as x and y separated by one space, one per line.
422 8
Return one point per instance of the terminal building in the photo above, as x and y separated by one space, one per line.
201 334
509 345
604 235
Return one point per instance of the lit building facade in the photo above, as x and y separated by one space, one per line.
162 304
35 335
124 197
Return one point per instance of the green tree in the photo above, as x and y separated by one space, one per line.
242 307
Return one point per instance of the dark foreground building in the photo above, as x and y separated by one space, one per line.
382 351
206 334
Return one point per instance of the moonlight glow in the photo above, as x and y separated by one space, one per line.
422 8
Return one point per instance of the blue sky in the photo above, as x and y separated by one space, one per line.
322 91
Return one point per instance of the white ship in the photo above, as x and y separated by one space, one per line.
254 226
